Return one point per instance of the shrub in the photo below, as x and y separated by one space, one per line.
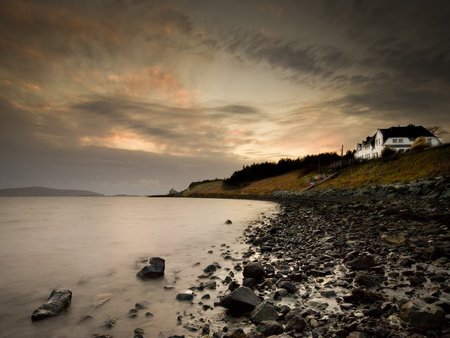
389 154
420 144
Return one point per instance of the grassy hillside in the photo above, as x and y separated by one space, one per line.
408 167
290 181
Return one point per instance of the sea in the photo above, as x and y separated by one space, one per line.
94 246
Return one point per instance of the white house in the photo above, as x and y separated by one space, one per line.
397 138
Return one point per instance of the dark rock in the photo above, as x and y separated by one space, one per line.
264 312
187 295
210 269
362 296
58 301
249 282
295 322
363 262
241 300
233 285
110 322
154 269
269 328
289 286
228 221
421 316
254 270
367 280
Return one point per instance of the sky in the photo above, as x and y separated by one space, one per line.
138 97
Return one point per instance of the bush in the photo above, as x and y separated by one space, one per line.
389 154
420 144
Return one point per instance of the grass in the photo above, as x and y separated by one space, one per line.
411 166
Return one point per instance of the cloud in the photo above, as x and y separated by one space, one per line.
239 109
284 54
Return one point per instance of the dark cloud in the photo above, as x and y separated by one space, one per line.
239 109
284 54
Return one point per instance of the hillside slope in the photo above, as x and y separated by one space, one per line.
411 166
408 167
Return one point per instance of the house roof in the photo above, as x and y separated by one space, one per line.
411 131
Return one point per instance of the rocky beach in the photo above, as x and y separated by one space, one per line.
368 262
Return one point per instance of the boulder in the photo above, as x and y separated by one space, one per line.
58 301
270 327
241 300
254 270
422 316
154 269
264 312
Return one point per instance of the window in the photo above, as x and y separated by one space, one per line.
400 140
394 140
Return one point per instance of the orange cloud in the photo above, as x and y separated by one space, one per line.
154 80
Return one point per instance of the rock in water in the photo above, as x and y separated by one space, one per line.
154 269
241 300
58 301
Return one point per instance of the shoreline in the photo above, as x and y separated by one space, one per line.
360 263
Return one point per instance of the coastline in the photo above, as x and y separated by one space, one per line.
350 263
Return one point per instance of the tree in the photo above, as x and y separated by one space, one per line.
438 131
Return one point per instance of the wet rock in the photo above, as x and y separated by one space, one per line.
211 285
101 335
362 262
254 270
187 295
394 239
328 293
154 269
289 286
269 328
110 322
241 300
295 322
58 301
249 282
367 280
210 269
264 312
422 316
362 296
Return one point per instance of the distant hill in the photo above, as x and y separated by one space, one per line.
42 191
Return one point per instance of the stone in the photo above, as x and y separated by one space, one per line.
254 270
295 322
392 239
211 285
241 300
58 301
328 293
154 269
422 316
264 312
367 280
363 262
228 221
187 295
210 269
270 327
289 286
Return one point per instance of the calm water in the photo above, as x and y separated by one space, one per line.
92 246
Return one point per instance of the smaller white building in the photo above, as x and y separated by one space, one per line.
397 138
